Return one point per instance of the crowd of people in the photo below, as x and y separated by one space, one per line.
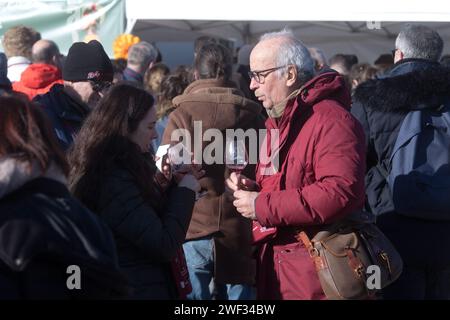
81 183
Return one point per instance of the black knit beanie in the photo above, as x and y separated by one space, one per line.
87 61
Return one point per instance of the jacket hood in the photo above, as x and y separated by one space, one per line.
217 103
328 85
417 89
39 75
15 173
407 65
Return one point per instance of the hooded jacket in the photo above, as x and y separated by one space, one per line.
43 232
38 78
381 105
218 105
318 180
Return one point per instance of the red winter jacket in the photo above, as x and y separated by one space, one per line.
320 179
38 78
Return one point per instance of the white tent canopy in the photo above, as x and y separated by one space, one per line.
336 27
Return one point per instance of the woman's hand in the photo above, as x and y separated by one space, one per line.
164 177
190 182
193 169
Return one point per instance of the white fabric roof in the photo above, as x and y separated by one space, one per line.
350 26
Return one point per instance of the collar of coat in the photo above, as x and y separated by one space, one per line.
15 173
425 84
64 105
205 89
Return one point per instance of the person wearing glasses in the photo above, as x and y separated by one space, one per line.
87 73
319 177
415 82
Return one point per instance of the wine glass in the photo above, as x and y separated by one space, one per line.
236 157
178 156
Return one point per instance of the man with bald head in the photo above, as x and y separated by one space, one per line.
44 72
319 175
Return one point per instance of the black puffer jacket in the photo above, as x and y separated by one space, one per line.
147 240
381 105
43 231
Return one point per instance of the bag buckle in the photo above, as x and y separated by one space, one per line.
313 252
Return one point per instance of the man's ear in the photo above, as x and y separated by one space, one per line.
398 56
291 76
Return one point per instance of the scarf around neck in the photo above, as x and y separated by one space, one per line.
277 110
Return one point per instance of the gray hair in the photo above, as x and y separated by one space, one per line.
420 42
292 51
142 54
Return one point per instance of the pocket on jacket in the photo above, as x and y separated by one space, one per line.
296 273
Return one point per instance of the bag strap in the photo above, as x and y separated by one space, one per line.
303 238
319 262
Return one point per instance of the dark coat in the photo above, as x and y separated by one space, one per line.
381 105
320 180
146 239
44 230
218 105
65 114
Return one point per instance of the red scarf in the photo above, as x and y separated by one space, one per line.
181 274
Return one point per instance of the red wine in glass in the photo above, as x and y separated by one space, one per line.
236 158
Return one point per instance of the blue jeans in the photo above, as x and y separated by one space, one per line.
200 261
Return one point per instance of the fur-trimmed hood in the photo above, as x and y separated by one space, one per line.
427 84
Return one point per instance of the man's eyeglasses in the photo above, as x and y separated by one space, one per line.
261 75
100 86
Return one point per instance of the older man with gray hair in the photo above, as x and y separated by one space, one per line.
416 84
141 57
319 177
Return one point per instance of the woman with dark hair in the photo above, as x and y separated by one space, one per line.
44 232
113 173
